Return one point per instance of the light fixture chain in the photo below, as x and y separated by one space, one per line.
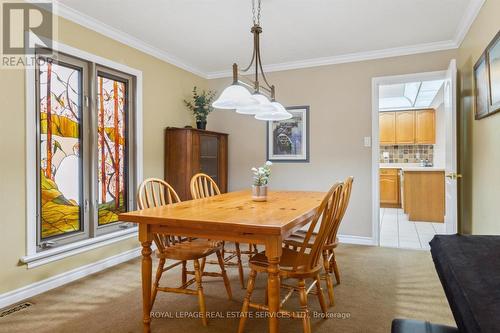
258 12
253 12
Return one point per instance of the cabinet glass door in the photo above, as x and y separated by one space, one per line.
209 149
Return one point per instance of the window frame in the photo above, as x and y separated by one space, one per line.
33 256
131 182
83 66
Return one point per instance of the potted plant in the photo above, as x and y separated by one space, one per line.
261 177
201 106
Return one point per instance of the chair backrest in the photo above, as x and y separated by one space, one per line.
344 202
203 186
326 215
155 192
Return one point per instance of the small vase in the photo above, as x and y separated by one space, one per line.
259 193
201 125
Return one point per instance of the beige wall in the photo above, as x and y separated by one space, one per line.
164 88
340 101
480 151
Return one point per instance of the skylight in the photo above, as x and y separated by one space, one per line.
413 95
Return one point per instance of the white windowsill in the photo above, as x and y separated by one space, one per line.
47 256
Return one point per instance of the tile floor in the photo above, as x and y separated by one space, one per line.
397 231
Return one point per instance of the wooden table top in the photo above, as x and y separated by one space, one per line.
235 210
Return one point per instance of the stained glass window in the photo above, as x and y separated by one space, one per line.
111 148
85 166
59 149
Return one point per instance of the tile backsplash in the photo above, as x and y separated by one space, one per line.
406 153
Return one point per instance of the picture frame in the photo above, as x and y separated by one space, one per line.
493 59
487 81
288 140
481 88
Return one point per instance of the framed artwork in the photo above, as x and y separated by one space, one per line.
481 93
288 140
493 57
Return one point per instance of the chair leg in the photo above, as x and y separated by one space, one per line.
333 264
184 272
240 266
159 272
303 304
328 277
246 301
321 297
201 296
203 263
224 275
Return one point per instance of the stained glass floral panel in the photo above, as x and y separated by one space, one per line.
111 149
59 149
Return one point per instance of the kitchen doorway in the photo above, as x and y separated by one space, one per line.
414 167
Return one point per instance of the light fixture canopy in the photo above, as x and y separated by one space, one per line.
236 96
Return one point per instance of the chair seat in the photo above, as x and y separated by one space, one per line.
198 248
297 238
288 258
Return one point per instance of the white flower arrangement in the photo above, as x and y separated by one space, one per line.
262 174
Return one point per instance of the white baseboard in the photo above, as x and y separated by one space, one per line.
349 239
39 287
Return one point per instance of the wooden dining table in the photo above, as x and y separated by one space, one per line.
230 217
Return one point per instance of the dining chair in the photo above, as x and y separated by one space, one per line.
329 261
203 186
154 192
300 264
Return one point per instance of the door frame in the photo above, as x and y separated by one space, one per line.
376 83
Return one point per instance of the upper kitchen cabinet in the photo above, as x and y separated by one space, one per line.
387 127
405 127
425 126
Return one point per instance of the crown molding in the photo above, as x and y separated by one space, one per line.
351 57
91 23
469 17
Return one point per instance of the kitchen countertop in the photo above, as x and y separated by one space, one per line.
409 167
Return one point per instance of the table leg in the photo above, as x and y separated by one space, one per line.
273 291
273 253
146 285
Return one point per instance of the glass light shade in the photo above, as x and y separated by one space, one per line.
280 113
263 106
233 97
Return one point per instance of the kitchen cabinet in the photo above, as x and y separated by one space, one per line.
405 127
389 188
424 195
387 128
189 151
425 126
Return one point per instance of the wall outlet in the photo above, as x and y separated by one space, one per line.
367 141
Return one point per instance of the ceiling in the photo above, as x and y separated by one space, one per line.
207 36
412 95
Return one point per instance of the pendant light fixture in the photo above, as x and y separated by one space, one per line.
238 97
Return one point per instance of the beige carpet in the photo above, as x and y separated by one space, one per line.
378 284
